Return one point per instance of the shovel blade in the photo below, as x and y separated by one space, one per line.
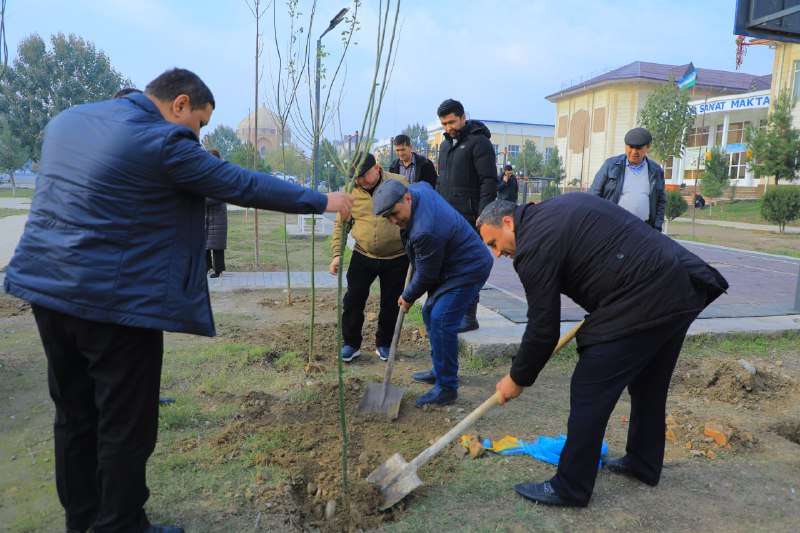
381 398
396 478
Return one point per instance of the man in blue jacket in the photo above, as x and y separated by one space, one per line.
450 263
111 256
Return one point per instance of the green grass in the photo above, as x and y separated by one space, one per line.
240 253
5 192
748 211
758 345
6 212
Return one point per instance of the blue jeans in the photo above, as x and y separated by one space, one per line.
441 319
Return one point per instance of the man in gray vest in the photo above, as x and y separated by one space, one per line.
634 181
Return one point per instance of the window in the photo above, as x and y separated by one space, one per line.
547 152
738 165
668 169
698 137
496 148
796 88
513 150
736 132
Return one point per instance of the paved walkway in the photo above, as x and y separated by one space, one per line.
761 297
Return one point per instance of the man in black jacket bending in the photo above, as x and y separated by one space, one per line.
467 173
642 291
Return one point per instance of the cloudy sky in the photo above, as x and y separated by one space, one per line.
499 58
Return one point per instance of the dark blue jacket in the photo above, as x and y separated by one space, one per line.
445 250
115 233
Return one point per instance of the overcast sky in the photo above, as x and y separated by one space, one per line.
499 58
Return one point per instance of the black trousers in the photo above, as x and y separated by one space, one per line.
643 363
104 380
361 272
218 261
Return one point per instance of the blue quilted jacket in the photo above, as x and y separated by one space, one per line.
116 231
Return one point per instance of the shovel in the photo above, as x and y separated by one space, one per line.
384 397
397 478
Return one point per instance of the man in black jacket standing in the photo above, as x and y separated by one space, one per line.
507 188
642 291
467 173
409 164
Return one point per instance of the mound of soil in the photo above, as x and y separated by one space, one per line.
312 493
741 383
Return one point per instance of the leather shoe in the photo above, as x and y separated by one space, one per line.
424 377
623 465
156 528
545 494
437 396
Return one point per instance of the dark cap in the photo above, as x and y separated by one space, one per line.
638 137
388 193
508 167
368 164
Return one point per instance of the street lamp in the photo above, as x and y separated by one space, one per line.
328 167
334 21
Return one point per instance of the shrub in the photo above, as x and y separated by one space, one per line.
780 205
676 205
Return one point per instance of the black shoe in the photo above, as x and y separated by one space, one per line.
156 528
437 396
468 323
424 377
215 274
544 493
623 465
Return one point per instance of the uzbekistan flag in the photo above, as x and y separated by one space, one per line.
688 81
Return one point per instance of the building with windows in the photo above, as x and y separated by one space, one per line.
594 112
722 121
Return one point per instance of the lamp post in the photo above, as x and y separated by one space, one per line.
391 153
328 167
334 21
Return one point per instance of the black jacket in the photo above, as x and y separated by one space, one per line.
216 224
423 169
467 171
508 190
627 276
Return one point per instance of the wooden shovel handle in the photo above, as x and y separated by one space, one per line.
398 327
471 418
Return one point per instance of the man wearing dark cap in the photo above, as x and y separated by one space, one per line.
378 253
507 186
633 181
450 263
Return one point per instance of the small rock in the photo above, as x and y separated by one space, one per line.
696 453
688 445
363 458
711 455
311 488
447 421
330 509
718 432
13 417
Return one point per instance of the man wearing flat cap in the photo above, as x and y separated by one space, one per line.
633 181
450 263
378 252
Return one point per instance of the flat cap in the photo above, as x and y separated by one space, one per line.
388 193
368 164
638 137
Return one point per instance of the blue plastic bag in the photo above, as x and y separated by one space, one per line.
545 449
